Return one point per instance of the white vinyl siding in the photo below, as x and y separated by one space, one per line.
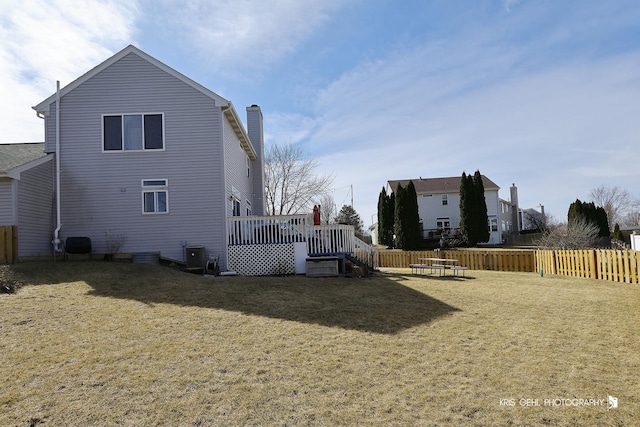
36 213
7 205
239 185
102 192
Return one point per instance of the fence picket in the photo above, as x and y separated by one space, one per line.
8 244
601 264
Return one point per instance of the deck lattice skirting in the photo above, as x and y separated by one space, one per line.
262 260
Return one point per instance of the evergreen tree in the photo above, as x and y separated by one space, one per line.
589 212
385 218
481 221
349 216
399 215
603 222
474 220
466 209
412 219
463 206
617 234
575 212
391 218
382 213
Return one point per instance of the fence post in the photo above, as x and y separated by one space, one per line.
3 245
8 244
596 264
14 243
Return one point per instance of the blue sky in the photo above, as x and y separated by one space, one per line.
543 94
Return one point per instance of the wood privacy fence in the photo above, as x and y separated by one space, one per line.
8 244
601 264
497 260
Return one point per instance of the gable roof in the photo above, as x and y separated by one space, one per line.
227 106
15 158
439 185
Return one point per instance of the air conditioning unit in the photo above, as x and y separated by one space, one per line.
195 257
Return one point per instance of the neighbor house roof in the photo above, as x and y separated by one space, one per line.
14 158
439 185
227 106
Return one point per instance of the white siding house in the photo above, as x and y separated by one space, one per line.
439 206
147 153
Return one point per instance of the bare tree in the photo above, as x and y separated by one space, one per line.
615 201
537 220
632 218
581 234
328 209
290 182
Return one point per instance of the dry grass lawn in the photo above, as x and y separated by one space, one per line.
104 344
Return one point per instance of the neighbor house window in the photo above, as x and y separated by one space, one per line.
443 224
444 200
133 132
493 224
249 211
155 196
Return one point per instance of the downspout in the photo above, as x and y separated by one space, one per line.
56 238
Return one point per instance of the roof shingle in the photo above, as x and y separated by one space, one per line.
14 155
440 185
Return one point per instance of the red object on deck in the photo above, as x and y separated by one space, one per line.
316 215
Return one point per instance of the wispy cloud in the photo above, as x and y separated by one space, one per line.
241 37
47 41
509 3
427 113
284 128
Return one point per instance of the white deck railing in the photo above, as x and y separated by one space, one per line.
258 230
320 239
330 239
366 253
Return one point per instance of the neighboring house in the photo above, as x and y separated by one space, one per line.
439 206
26 195
506 215
151 155
373 230
532 219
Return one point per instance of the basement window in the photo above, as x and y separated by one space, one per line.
155 196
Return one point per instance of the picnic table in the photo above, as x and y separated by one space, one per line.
438 264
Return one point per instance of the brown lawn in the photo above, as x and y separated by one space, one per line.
105 344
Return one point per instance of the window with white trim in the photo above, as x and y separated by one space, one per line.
155 196
132 132
443 224
249 210
493 224
445 201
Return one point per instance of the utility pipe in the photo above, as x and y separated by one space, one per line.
56 238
